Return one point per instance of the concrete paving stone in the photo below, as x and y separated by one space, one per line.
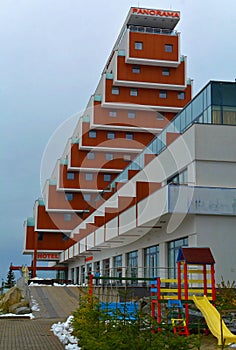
23 334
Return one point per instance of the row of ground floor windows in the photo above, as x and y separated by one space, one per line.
136 264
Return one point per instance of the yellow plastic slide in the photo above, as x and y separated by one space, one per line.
212 318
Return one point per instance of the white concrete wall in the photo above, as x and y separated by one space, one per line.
218 233
216 174
99 235
127 220
90 241
111 229
153 206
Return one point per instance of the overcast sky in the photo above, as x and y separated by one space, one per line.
52 53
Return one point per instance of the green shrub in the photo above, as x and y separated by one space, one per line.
98 331
226 295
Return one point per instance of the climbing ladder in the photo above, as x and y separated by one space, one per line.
177 316
179 326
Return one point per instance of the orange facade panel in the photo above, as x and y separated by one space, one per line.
58 200
150 74
29 237
56 221
114 139
154 47
47 240
130 118
153 97
99 160
54 241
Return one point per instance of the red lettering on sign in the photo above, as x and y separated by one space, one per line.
155 12
89 258
48 256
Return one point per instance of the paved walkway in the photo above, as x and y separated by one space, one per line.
26 334
55 304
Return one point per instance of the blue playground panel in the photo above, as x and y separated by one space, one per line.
120 311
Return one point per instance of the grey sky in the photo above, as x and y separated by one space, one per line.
52 55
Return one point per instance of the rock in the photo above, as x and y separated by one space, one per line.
14 307
22 310
13 300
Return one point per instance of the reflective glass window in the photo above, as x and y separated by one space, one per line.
168 48
70 176
138 45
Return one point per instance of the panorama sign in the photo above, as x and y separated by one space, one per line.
150 12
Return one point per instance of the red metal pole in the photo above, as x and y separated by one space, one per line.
205 279
186 292
90 286
158 299
213 283
179 279
35 255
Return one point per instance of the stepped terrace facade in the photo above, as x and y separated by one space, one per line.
142 88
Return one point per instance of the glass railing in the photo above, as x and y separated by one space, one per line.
152 30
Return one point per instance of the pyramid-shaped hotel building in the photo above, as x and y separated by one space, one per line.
147 169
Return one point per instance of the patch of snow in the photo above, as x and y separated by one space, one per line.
63 331
35 306
32 284
31 316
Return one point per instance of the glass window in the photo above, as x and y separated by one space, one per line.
229 115
133 92
216 115
136 69
132 264
131 115
179 179
40 236
168 48
89 177
107 177
67 217
127 157
129 136
112 114
91 155
173 249
163 94
83 274
69 196
181 95
92 134
106 269
111 135
151 260
138 45
160 116
117 263
115 90
109 156
70 176
166 71
65 237
87 197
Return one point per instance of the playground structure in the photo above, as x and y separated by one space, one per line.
170 298
195 276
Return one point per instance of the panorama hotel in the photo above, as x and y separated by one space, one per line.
147 169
